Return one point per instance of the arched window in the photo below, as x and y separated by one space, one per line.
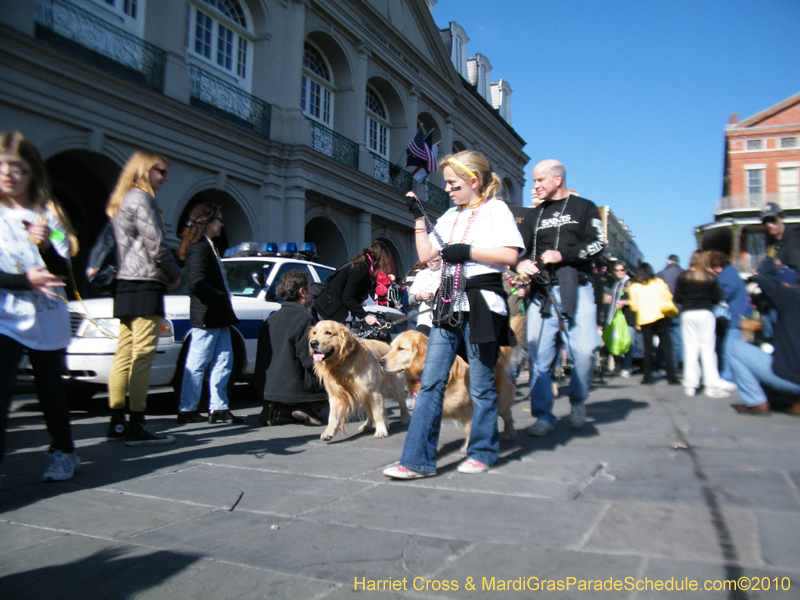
377 124
129 8
316 95
219 35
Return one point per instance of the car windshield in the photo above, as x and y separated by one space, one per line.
242 275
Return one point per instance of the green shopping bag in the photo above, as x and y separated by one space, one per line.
616 336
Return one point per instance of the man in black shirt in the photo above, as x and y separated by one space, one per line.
562 236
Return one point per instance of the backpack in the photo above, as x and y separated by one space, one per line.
101 265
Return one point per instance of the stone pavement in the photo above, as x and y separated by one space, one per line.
657 489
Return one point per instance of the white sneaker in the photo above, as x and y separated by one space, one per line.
62 466
689 391
625 374
726 385
716 393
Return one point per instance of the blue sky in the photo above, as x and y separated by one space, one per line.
634 96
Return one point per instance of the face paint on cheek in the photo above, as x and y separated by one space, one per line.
455 188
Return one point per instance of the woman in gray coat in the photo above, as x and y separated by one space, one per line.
146 268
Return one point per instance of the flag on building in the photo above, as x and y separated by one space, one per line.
421 155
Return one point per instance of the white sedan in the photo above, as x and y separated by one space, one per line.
253 281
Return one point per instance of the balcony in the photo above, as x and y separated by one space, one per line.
395 176
436 196
90 38
223 100
755 202
328 142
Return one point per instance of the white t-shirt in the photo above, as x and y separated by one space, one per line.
493 226
34 319
425 281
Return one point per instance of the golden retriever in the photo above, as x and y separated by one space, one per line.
353 377
407 356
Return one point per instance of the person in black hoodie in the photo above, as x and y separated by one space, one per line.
350 285
284 372
562 236
210 315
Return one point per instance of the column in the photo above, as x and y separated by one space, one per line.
357 126
165 27
363 230
294 214
293 128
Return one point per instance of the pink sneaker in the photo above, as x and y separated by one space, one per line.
401 472
472 466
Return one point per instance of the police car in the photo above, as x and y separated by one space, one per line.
253 272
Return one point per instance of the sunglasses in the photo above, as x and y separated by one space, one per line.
164 172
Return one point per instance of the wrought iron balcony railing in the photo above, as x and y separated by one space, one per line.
224 100
757 201
328 142
436 196
90 38
392 174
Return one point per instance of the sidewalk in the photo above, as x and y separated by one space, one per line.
656 488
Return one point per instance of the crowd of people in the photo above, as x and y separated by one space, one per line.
476 268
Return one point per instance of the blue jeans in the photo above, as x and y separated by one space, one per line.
677 341
422 441
208 346
583 338
732 333
752 368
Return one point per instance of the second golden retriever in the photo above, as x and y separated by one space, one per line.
352 375
407 356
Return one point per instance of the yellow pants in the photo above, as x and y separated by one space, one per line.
130 372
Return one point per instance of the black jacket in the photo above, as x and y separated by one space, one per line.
210 306
787 249
578 228
283 371
345 293
786 358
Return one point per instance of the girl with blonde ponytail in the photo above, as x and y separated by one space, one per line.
476 239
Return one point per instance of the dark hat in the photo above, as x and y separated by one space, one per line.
673 257
771 209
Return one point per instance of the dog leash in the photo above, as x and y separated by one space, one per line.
389 325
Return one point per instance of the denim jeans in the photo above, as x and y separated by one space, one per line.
208 346
731 334
47 366
752 369
422 441
583 338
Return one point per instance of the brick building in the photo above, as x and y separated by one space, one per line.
762 164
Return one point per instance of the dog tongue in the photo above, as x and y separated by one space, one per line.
318 357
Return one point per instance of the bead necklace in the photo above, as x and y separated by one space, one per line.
141 187
450 282
558 230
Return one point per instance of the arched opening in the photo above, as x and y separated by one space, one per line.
509 193
82 182
331 245
237 227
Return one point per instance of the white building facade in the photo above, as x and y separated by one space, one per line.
293 115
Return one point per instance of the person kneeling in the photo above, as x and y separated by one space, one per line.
283 371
